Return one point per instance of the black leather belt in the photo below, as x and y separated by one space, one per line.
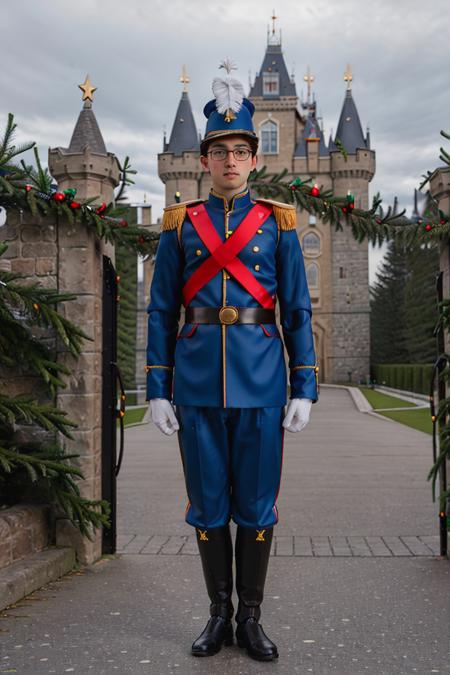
229 314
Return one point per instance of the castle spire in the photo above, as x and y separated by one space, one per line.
86 131
349 130
273 79
184 137
86 165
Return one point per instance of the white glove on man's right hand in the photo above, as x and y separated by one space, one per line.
163 415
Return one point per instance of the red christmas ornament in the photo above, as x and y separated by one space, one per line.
428 227
123 223
378 221
344 209
101 208
28 187
59 196
75 205
442 222
315 191
141 240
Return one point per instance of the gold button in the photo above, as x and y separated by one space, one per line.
256 249
227 276
228 233
259 231
257 268
198 251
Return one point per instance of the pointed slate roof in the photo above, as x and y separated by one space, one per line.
331 144
184 136
311 130
87 132
273 62
349 129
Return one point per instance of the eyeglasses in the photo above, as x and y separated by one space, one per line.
240 154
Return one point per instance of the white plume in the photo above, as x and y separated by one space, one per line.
228 93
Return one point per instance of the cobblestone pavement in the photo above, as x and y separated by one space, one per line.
352 546
355 585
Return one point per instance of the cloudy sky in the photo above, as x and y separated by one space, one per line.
134 51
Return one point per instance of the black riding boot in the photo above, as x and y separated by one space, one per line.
216 553
252 550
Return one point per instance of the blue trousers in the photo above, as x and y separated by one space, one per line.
232 460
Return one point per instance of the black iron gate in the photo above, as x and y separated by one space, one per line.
442 362
110 412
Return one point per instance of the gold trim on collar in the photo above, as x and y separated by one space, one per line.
225 200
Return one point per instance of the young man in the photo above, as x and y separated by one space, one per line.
227 259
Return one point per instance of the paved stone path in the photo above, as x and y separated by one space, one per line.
352 546
354 585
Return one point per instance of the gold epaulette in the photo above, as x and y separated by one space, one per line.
174 215
285 214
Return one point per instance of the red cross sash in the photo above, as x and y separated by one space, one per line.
224 253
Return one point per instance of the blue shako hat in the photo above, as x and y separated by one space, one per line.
229 112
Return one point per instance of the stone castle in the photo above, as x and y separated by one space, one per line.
291 138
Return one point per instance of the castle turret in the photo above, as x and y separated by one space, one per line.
352 168
86 164
178 165
277 120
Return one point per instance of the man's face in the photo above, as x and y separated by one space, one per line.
230 172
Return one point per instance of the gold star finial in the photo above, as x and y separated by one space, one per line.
348 77
87 89
309 79
184 79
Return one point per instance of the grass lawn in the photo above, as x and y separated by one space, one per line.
134 415
419 418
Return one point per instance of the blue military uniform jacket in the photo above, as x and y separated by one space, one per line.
237 365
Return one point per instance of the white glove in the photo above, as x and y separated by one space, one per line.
297 415
163 415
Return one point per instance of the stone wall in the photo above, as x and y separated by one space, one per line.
69 258
24 529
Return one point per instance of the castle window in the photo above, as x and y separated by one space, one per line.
269 137
271 84
311 244
312 275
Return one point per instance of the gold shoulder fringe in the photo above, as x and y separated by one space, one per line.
174 215
285 214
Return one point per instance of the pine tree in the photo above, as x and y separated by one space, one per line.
387 308
421 303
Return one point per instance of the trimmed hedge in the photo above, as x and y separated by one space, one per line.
407 376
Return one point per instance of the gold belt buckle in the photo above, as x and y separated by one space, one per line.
228 314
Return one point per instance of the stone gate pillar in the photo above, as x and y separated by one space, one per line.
69 257
87 166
